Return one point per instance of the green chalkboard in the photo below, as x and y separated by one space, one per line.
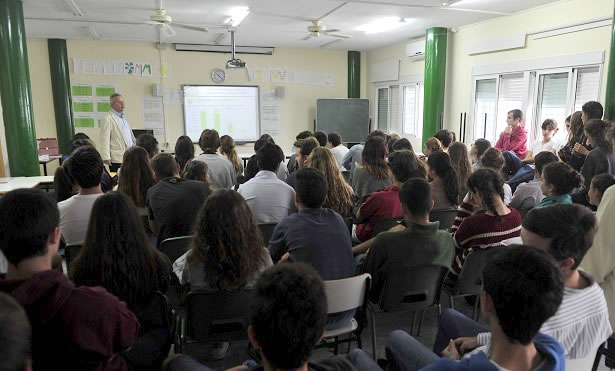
347 117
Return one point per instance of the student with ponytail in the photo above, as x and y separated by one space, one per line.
487 230
558 180
444 184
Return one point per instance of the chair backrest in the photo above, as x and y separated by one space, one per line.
266 232
71 252
470 279
582 363
385 225
446 217
347 294
175 247
412 287
157 314
216 316
526 205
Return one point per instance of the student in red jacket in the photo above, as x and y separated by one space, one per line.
514 137
73 328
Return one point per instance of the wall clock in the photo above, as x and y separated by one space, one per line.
218 75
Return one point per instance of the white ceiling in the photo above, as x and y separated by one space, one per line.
277 23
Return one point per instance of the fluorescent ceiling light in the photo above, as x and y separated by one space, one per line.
383 25
236 15
90 31
73 8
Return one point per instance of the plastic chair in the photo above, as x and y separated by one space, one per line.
607 351
175 247
446 217
410 288
71 252
581 363
385 225
345 295
266 232
469 282
214 316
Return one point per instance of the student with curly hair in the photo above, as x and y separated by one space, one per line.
372 174
444 184
487 230
339 193
557 181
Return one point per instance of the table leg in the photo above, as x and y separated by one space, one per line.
45 168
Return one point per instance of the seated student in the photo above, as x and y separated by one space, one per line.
444 183
581 322
494 160
339 193
116 255
85 167
64 186
372 174
73 328
292 162
384 205
221 170
432 145
287 321
136 177
546 143
532 188
522 288
252 166
419 243
15 336
149 143
106 183
600 159
173 203
589 111
355 153
337 148
184 151
197 171
476 152
599 185
282 172
227 148
445 137
403 145
314 235
321 137
269 198
514 137
304 150
574 124
460 161
483 231
556 182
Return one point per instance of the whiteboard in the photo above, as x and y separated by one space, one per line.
230 110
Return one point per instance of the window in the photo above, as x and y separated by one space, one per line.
394 112
383 109
552 102
510 97
588 86
413 109
484 109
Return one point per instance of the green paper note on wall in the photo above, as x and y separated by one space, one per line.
84 122
103 106
104 91
83 107
82 90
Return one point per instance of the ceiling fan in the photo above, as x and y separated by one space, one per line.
316 29
165 23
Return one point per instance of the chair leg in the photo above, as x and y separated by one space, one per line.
450 300
373 325
413 323
475 312
418 333
598 357
336 339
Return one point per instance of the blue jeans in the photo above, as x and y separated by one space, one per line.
361 361
454 325
405 353
517 171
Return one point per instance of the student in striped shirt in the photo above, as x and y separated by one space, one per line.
581 323
486 230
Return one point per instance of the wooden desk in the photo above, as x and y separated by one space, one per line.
9 184
45 162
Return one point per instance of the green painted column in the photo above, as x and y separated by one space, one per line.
435 74
354 74
609 101
60 86
15 91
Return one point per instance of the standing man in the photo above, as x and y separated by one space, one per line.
116 134
514 137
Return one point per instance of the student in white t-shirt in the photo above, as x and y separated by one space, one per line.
337 148
546 143
85 167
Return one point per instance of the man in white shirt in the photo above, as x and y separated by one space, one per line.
116 134
221 171
85 166
269 198
338 149
546 143
532 189
581 323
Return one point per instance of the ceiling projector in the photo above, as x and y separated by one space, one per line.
235 63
